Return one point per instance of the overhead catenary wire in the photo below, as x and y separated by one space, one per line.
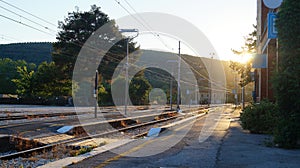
147 27
141 20
37 17
24 24
26 18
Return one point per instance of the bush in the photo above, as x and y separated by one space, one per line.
286 81
260 118
285 134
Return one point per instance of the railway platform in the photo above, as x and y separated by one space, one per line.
228 146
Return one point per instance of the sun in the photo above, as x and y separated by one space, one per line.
243 58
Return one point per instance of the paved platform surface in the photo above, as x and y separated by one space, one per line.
188 152
242 149
229 146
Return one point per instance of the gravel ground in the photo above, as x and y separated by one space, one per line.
61 152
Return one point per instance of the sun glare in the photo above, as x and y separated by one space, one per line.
245 58
241 58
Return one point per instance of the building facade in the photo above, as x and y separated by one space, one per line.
267 51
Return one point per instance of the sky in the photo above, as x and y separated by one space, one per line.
224 23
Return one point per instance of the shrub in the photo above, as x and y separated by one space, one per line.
285 134
81 151
286 81
260 118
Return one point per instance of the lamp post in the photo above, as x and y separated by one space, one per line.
171 83
96 93
127 61
235 85
243 87
211 60
178 81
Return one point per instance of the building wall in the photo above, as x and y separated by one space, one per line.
263 83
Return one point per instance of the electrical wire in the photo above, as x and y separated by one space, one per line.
143 24
26 18
156 35
28 13
24 24
148 26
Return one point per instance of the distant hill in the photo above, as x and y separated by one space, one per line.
199 66
33 52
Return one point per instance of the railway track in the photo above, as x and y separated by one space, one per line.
46 147
31 116
30 152
10 115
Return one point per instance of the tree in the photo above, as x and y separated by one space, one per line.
104 94
8 71
139 89
76 29
49 82
249 47
287 82
25 82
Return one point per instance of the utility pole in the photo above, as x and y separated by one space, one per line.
243 92
126 76
178 80
211 60
127 64
243 97
196 94
171 88
236 93
96 93
171 82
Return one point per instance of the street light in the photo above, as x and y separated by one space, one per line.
96 93
171 82
178 81
127 60
211 60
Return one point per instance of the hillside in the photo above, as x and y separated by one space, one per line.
35 52
199 66
41 51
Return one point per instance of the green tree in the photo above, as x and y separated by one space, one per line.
139 89
286 81
104 94
249 47
24 84
76 29
8 71
49 82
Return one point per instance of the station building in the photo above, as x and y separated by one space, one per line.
266 61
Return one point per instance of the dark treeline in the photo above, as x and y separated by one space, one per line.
31 52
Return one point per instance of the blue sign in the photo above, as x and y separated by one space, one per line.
272 31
